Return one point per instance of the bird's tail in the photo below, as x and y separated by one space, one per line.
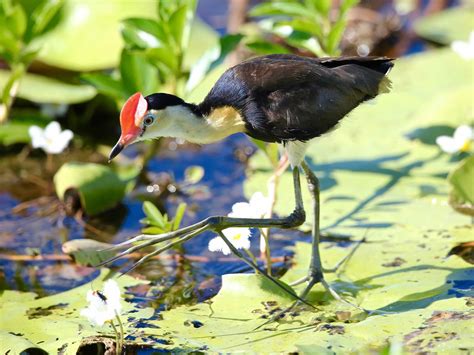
385 85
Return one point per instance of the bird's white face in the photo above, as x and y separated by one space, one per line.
173 121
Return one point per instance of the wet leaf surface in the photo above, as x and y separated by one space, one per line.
96 188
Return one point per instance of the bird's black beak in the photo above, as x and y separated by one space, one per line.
116 150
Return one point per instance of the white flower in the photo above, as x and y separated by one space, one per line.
459 142
51 139
257 207
103 305
464 49
239 237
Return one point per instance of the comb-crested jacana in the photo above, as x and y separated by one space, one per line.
275 98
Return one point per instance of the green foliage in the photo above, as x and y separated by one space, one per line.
447 26
305 24
98 187
160 223
20 31
18 41
462 187
87 35
155 56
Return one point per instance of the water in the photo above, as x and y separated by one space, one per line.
41 228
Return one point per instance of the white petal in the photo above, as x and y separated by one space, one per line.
448 144
464 49
37 137
260 204
217 244
462 134
239 237
242 210
58 144
52 130
112 292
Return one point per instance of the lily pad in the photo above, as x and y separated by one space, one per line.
34 323
97 186
88 34
462 184
41 89
412 296
447 26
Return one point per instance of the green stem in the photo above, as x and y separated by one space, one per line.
118 346
122 333
10 90
268 258
254 259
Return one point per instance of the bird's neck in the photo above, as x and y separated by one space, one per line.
195 126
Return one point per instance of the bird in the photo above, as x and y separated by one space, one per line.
283 98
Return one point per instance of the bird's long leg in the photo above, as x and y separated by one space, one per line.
216 224
315 274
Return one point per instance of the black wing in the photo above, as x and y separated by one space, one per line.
287 97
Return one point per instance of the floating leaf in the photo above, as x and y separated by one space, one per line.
14 132
462 184
42 89
12 343
88 35
439 28
97 186
54 322
193 174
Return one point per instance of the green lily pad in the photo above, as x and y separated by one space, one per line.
447 26
41 89
88 35
97 186
417 294
462 184
34 323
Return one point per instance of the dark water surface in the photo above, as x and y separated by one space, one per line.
41 227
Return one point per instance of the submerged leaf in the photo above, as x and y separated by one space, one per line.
88 252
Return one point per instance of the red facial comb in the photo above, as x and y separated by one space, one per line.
132 112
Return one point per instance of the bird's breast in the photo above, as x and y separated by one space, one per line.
224 121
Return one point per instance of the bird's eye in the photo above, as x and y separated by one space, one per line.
148 120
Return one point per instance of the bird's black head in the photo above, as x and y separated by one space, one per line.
160 101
